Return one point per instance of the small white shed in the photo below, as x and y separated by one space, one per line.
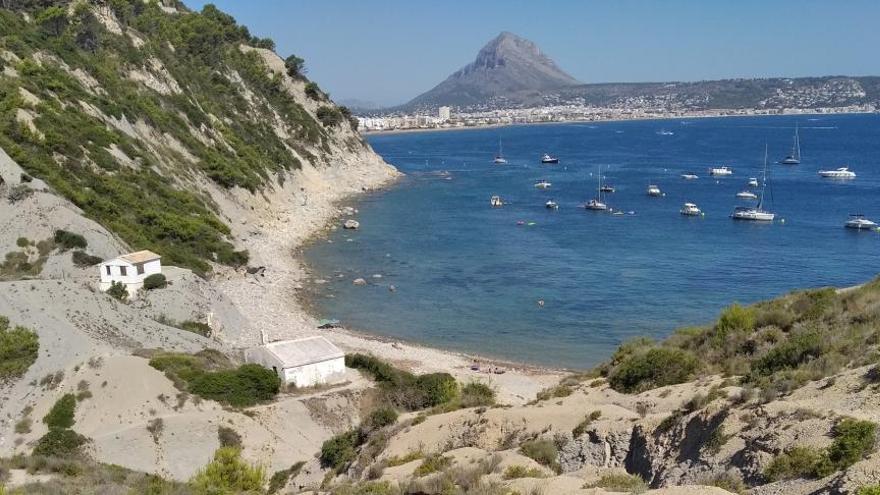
130 269
302 362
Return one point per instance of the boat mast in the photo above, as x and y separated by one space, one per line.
763 179
797 143
500 153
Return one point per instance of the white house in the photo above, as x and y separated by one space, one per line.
302 362
130 269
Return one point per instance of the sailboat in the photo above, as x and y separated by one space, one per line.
756 213
795 157
597 203
499 158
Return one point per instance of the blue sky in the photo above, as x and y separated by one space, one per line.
390 51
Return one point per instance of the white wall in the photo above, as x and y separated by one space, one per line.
315 374
132 280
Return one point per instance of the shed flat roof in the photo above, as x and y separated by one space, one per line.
140 256
300 352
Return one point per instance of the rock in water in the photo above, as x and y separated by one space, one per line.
359 281
351 224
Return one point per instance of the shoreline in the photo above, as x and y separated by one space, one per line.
366 134
305 302
272 300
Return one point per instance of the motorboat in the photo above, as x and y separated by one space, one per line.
721 170
551 205
689 176
543 184
858 221
794 157
549 159
654 190
595 204
840 173
499 158
753 182
496 201
607 188
746 195
755 213
691 210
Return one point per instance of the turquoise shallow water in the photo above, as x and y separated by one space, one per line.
469 278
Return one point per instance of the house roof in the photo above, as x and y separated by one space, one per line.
140 257
300 352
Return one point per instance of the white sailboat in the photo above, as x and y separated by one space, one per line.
756 213
596 203
499 158
795 157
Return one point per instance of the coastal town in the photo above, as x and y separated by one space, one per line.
446 118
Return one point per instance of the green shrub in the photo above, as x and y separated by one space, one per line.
118 291
581 427
280 478
19 192
544 452
379 418
517 471
196 327
438 388
735 318
329 116
799 348
628 483
209 375
313 91
557 391
296 67
339 451
432 464
19 348
68 240
59 442
853 441
22 242
155 281
83 259
476 394
228 437
657 367
61 414
869 490
228 474
797 462
243 387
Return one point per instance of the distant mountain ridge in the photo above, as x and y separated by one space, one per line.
508 65
512 72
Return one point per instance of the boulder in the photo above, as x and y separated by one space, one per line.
351 224
359 281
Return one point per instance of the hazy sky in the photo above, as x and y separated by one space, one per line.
392 50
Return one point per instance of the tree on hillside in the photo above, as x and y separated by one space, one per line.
296 67
53 20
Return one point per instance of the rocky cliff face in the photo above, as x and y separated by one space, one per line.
506 66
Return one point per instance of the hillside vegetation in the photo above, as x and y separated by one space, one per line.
776 346
130 109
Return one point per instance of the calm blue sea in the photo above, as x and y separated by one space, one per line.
469 278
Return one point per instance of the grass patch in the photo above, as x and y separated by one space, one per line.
853 441
628 483
432 464
581 427
554 392
280 479
544 452
517 471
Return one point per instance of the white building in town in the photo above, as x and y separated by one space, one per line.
302 362
129 269
444 113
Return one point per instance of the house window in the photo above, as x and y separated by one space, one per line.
122 271
108 269
140 269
